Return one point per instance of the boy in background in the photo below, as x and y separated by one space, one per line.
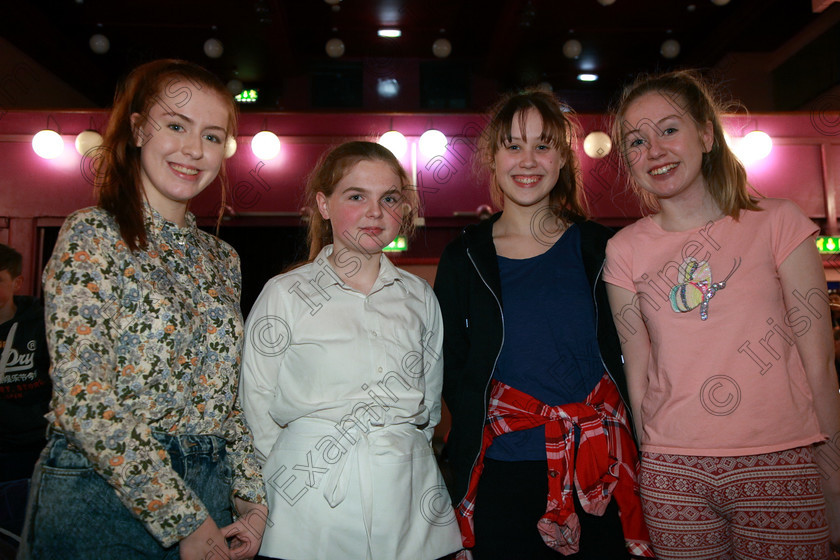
25 390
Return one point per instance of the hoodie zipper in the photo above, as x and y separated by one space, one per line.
496 361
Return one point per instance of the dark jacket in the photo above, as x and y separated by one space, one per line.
25 389
468 287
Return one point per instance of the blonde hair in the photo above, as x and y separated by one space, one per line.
331 168
560 130
725 176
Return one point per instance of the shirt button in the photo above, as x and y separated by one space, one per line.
552 473
379 370
373 333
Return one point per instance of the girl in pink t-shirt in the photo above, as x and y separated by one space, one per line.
720 301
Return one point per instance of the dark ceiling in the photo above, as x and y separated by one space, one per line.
277 46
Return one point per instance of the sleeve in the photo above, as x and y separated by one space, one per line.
247 475
432 355
85 326
618 268
266 339
789 227
450 289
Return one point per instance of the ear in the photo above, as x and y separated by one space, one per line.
707 136
136 121
323 208
17 283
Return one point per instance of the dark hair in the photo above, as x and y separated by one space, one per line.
725 176
10 260
560 130
118 171
331 168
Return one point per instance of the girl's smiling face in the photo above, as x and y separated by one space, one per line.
365 209
527 167
664 147
181 158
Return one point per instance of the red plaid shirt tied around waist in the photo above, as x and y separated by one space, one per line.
606 464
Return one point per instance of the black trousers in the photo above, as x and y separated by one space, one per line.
510 500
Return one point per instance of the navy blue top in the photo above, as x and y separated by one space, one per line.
550 348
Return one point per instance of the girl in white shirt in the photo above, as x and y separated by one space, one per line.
342 375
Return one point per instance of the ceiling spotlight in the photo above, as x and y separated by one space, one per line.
213 48
441 48
387 87
670 48
99 43
572 48
334 47
391 33
235 86
587 77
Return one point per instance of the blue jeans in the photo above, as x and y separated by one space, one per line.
74 513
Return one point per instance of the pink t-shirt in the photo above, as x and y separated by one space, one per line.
732 383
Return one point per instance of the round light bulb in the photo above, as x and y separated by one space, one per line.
230 147
433 143
87 140
265 145
334 47
441 48
755 146
572 48
597 144
670 48
394 141
235 86
99 43
213 48
48 144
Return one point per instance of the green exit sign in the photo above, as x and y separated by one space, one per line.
399 244
247 96
828 244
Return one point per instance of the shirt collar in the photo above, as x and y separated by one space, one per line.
388 273
157 224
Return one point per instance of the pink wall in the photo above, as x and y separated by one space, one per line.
35 192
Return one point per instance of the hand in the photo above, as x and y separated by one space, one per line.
205 543
247 532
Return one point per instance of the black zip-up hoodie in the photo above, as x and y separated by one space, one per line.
468 287
25 387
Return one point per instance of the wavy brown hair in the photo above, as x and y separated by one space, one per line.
689 93
120 190
331 168
560 130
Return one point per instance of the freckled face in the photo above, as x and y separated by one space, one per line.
664 147
184 155
527 167
365 209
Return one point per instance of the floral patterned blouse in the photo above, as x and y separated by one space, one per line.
142 342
